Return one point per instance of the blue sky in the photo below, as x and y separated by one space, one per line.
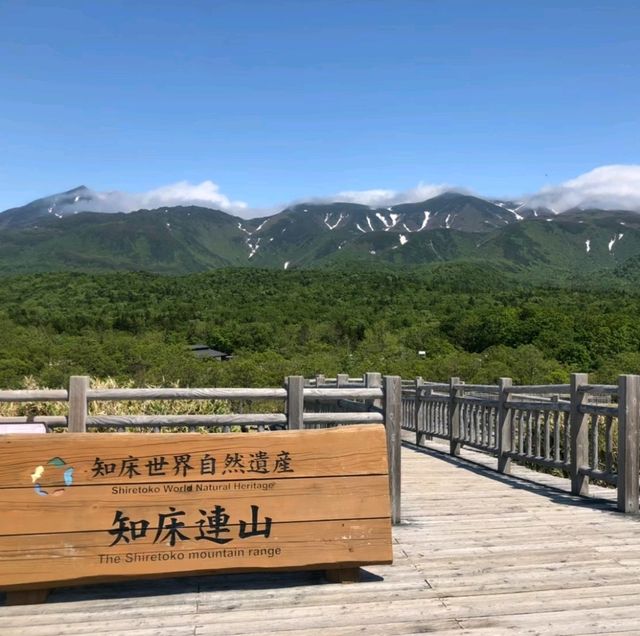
280 100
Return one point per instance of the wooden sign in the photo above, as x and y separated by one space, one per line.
92 507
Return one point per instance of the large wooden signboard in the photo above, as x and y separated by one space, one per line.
90 507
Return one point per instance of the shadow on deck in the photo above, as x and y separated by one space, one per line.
556 489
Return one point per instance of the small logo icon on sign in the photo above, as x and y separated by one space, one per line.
52 478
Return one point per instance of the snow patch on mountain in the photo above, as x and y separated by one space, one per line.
260 226
335 225
254 247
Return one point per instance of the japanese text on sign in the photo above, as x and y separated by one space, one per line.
212 525
185 465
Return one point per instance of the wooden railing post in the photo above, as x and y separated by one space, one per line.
319 380
392 389
628 415
454 417
342 379
417 410
77 419
295 402
505 429
373 381
579 435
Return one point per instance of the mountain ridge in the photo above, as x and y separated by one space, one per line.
55 234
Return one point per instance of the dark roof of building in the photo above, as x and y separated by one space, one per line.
204 351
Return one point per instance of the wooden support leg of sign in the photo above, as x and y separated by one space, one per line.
343 575
27 597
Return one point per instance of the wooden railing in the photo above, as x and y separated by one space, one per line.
306 404
586 431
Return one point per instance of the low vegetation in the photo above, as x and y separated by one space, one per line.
469 321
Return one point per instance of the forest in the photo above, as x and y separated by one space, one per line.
473 322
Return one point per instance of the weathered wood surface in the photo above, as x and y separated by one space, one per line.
38 395
344 392
78 388
86 507
187 420
479 554
187 394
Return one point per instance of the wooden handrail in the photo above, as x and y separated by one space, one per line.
531 423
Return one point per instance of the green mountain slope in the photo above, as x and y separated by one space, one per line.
450 228
175 240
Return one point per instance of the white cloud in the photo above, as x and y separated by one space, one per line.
607 187
206 194
383 198
374 198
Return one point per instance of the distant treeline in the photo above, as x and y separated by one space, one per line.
471 322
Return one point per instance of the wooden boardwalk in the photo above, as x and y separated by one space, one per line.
478 553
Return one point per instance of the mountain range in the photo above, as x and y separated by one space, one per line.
57 233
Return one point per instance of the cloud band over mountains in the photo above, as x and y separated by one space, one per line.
206 194
606 187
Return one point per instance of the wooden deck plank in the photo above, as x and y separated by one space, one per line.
478 554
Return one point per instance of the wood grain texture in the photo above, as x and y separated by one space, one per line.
139 505
55 560
94 508
78 387
354 450
628 429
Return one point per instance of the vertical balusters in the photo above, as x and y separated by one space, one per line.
427 417
595 460
434 416
486 426
484 431
537 436
493 440
447 418
609 444
566 438
473 423
547 435
464 421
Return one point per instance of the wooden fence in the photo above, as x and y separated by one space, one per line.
306 404
587 431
